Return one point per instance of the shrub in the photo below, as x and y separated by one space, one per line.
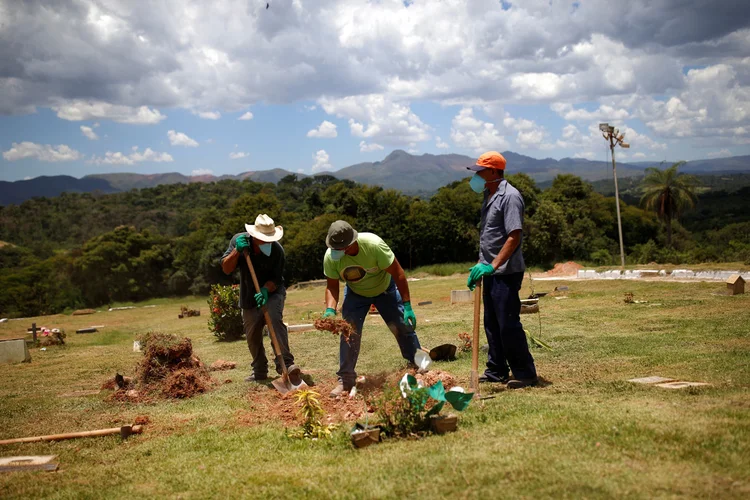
226 316
602 257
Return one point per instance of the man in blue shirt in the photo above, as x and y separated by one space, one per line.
501 267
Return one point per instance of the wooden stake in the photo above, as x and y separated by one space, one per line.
474 383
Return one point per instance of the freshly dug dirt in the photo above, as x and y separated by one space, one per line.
142 420
266 405
221 365
335 326
81 312
168 369
569 268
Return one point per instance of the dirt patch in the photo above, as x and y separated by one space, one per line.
569 268
168 369
266 405
142 420
335 326
82 312
221 365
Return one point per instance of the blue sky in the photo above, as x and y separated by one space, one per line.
101 86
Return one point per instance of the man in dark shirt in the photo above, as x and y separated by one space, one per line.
501 266
261 241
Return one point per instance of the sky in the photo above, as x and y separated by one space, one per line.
225 86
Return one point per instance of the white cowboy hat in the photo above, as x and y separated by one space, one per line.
264 230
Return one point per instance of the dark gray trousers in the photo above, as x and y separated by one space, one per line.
253 322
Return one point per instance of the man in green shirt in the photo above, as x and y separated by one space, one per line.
373 276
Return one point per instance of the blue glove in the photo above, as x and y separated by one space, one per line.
261 298
477 272
330 313
409 317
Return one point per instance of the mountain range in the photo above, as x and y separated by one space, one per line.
399 170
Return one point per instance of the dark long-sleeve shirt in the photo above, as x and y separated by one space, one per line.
267 269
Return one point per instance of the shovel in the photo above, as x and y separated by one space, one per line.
474 382
284 385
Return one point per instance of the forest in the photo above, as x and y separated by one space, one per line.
89 250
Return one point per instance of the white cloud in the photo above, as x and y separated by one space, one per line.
79 110
379 118
238 155
325 130
365 147
202 171
639 155
604 113
41 152
247 116
723 153
89 133
471 133
322 163
441 144
589 155
208 115
136 156
180 139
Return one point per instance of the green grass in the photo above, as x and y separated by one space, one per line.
588 433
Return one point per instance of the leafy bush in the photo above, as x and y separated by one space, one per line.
226 316
602 257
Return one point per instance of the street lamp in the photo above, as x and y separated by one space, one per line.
614 137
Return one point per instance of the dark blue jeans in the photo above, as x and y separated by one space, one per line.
508 348
355 309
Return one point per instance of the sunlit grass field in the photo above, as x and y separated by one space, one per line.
588 433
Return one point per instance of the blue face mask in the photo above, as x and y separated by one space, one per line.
477 183
266 248
336 254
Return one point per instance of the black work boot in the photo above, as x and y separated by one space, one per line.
521 383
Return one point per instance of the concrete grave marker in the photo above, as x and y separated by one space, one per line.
681 385
14 351
461 296
651 380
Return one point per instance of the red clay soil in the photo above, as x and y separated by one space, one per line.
221 365
168 369
564 269
335 326
266 405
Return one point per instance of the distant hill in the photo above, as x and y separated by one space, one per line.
49 186
419 175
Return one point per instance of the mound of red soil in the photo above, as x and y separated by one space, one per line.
564 269
169 368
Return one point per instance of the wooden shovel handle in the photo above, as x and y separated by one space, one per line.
474 383
274 341
136 429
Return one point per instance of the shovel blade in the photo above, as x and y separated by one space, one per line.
285 387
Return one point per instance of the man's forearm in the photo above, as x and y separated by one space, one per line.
508 248
332 295
229 264
399 277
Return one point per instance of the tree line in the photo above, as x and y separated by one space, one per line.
88 250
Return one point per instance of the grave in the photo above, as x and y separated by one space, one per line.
461 296
14 351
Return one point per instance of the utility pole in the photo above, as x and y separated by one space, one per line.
614 137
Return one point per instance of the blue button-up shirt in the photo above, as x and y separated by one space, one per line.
502 213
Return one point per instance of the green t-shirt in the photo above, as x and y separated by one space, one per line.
364 272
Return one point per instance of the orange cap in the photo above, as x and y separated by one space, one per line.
490 159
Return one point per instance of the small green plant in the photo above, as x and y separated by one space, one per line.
225 320
312 412
406 410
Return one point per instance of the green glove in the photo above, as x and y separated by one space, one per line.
330 313
242 243
477 272
261 298
409 317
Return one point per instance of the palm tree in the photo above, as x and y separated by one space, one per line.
668 193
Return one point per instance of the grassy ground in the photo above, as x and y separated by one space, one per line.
589 433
